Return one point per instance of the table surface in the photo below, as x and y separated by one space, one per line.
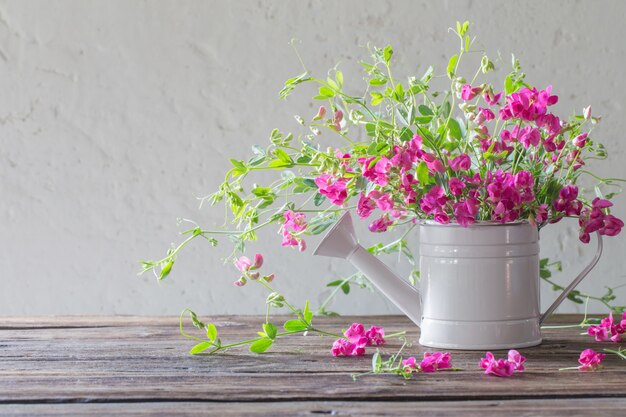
140 366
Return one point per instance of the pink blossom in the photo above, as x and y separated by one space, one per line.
434 199
590 360
432 362
456 186
381 224
434 164
461 163
503 367
529 136
587 112
384 201
580 140
320 113
484 115
608 329
527 104
375 336
294 224
240 282
465 211
337 118
517 360
244 264
346 348
468 92
356 339
365 206
333 188
377 172
409 364
541 214
490 98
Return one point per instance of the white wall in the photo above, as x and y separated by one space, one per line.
115 115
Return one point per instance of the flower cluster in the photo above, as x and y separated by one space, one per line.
249 270
356 339
590 360
432 362
503 367
608 329
597 219
294 224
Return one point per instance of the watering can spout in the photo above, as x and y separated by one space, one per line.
341 242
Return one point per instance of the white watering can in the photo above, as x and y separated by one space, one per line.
479 286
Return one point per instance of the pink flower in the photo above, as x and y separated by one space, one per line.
608 329
409 364
384 201
433 164
434 200
529 136
320 113
456 186
465 211
468 92
503 367
337 118
375 336
435 361
517 360
590 360
381 224
461 163
346 348
365 206
376 172
492 99
333 188
244 264
580 140
484 115
356 339
294 224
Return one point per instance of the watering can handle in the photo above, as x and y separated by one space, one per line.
574 283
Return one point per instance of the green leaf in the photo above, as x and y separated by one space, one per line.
377 361
378 81
454 129
200 347
508 85
377 98
261 345
319 199
387 53
326 92
452 66
165 271
308 314
422 173
339 77
211 332
295 325
334 283
425 110
270 330
544 273
283 156
346 288
543 262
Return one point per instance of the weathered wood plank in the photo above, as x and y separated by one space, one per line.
144 359
587 407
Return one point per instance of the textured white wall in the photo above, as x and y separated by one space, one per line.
115 115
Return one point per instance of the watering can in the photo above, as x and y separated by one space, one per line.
478 288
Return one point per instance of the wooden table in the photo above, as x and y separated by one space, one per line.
84 366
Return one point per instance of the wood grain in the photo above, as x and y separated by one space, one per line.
96 365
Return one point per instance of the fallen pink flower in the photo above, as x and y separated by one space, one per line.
432 362
503 367
590 360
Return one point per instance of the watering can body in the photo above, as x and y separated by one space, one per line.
478 288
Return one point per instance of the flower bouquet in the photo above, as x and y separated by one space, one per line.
399 152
